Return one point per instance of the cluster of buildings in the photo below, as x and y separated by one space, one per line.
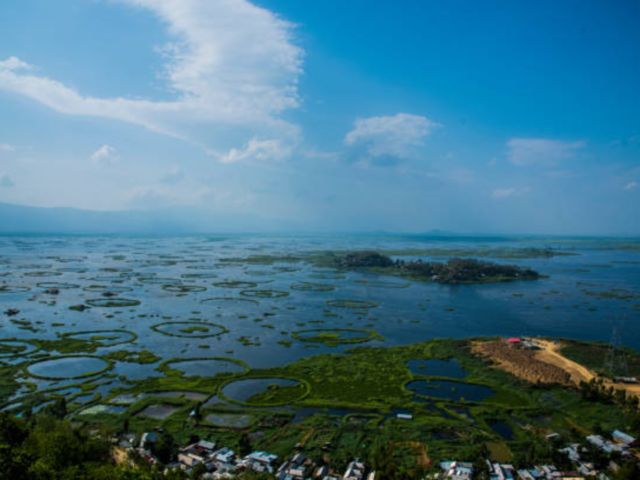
300 467
502 471
620 442
223 463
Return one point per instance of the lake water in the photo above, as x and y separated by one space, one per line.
576 300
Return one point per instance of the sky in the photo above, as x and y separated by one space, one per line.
400 116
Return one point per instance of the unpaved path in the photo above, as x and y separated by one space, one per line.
546 364
550 353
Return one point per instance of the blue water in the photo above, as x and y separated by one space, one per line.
140 268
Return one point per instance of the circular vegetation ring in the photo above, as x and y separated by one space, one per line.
42 274
264 391
178 288
236 284
70 364
383 284
336 336
168 366
14 288
113 302
102 337
312 287
11 347
189 329
57 285
199 275
159 280
351 303
107 288
264 293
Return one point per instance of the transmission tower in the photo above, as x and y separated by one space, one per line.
616 359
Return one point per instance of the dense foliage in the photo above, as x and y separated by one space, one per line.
48 448
455 270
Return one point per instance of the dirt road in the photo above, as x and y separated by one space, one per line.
550 353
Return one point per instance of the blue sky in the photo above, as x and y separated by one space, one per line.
505 116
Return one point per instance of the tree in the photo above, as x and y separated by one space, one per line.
629 471
198 471
244 445
165 449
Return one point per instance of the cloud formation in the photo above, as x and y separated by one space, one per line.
228 63
397 136
5 147
631 185
272 149
105 155
540 151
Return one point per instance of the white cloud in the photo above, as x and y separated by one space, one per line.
631 185
540 151
258 150
510 192
396 136
230 64
14 63
105 155
6 181
5 147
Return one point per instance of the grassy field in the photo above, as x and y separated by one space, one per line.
352 400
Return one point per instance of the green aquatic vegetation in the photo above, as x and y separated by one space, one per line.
108 366
199 275
247 342
141 357
235 284
286 343
112 302
167 367
273 396
5 288
327 258
57 285
264 293
184 288
159 280
335 336
312 287
345 303
614 294
42 274
67 345
13 347
191 329
101 337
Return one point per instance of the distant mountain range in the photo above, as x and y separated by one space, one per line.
18 219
